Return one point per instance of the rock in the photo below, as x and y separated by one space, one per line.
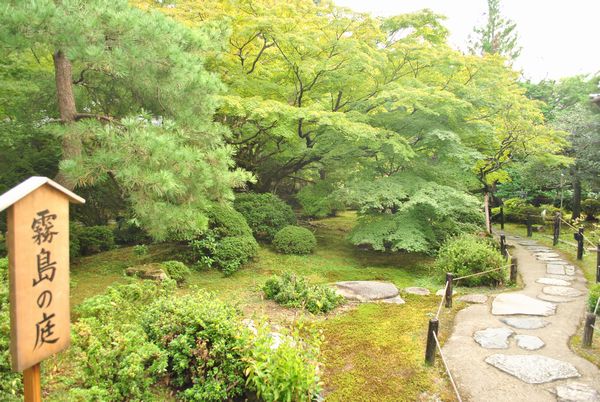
148 271
529 342
442 292
553 282
563 277
554 299
538 249
516 303
547 254
561 291
525 322
365 291
417 291
393 300
493 338
569 270
548 259
474 298
527 243
533 369
555 269
576 392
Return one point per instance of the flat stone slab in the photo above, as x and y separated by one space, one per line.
555 269
563 277
525 322
493 338
576 392
554 299
417 291
538 249
561 291
547 254
569 270
533 369
516 303
527 243
393 300
474 298
365 291
548 259
553 282
529 342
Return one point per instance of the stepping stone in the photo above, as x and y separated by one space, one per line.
554 299
559 262
561 291
365 291
417 291
442 292
570 270
563 277
533 369
538 249
525 322
474 298
393 300
527 243
493 338
516 303
547 254
553 282
555 269
529 342
576 392
548 259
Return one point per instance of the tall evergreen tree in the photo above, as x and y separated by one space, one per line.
497 36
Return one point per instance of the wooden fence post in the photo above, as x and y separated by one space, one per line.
502 218
529 228
556 233
579 238
513 269
503 245
448 295
430 348
588 329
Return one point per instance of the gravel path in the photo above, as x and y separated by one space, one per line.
494 357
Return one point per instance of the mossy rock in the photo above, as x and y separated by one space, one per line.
147 271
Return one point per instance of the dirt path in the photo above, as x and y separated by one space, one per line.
478 380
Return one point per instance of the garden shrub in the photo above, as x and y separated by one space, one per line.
128 233
74 233
319 200
593 297
266 213
290 290
517 209
3 248
94 239
468 254
140 250
294 240
176 270
591 208
227 244
11 386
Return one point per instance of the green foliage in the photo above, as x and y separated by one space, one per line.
74 244
290 290
140 250
319 200
497 36
11 387
517 210
3 246
176 270
591 207
266 213
468 254
593 297
294 240
127 233
227 244
94 239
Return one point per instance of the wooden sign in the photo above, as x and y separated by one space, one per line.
38 253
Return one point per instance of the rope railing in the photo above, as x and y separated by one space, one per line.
577 230
482 273
442 301
437 343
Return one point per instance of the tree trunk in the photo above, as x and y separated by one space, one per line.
576 197
486 208
71 144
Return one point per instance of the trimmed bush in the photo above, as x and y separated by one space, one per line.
295 240
318 200
176 270
290 290
591 208
128 233
593 298
469 254
266 214
94 239
516 210
227 244
11 386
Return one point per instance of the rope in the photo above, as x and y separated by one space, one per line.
446 367
442 301
481 273
597 304
577 230
595 328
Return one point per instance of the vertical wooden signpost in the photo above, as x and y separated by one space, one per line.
38 254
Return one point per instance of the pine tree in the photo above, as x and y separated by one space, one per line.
497 36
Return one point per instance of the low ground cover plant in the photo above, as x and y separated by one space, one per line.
294 291
294 240
11 386
469 254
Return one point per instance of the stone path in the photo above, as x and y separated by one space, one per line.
515 347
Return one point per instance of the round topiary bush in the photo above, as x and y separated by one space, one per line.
469 254
266 214
176 270
294 240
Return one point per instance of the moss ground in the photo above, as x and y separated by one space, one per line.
371 352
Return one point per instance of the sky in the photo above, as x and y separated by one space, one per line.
559 38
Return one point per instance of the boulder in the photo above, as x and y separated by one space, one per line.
365 291
148 271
